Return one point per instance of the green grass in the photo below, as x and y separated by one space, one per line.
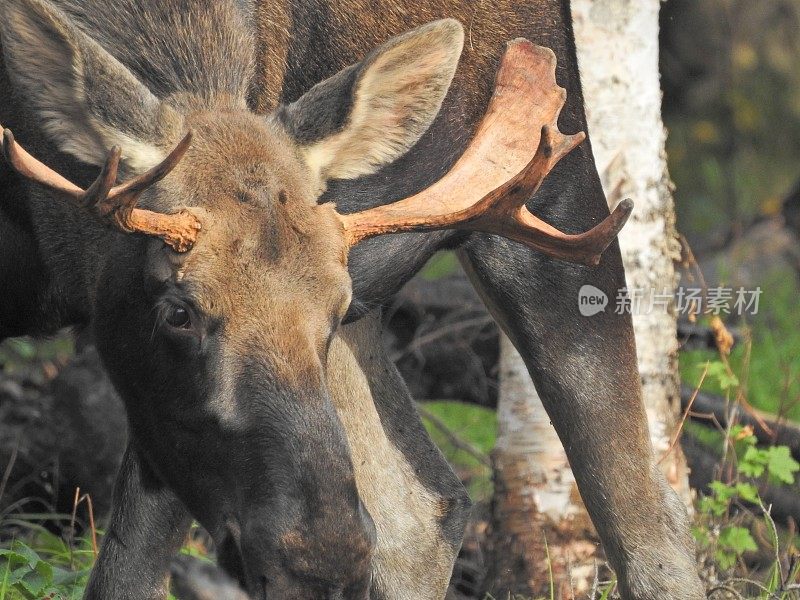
475 425
44 566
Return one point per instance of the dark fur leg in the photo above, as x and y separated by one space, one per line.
585 371
148 525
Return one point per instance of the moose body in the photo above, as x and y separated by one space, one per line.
296 444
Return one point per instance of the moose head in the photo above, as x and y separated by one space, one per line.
217 281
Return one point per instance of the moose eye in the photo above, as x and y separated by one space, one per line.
177 317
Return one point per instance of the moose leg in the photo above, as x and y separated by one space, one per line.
148 525
585 371
417 503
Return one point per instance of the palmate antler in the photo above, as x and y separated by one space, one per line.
487 188
115 204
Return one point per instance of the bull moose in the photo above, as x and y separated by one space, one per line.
255 144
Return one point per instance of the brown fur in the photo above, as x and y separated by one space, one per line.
270 308
354 27
230 404
413 560
260 224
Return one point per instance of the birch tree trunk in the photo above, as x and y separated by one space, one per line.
535 496
535 493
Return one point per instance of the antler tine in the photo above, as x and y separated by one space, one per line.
97 193
503 210
486 190
115 204
141 182
178 230
30 168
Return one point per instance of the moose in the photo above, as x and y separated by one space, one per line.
206 185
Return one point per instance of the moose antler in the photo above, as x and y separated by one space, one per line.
487 188
115 204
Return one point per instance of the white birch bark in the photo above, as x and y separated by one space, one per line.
525 431
536 495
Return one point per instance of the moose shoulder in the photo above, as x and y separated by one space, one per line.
214 279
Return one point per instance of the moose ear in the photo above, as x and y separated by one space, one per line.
370 113
86 99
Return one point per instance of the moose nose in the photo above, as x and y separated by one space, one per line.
326 555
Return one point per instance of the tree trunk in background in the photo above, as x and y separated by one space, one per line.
535 494
617 43
535 497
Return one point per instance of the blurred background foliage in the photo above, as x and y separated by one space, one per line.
732 108
731 85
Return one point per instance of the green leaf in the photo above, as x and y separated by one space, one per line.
738 434
737 539
712 506
718 502
4 583
754 462
719 371
45 569
728 380
747 492
781 465
30 555
34 584
18 575
722 491
13 557
724 559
